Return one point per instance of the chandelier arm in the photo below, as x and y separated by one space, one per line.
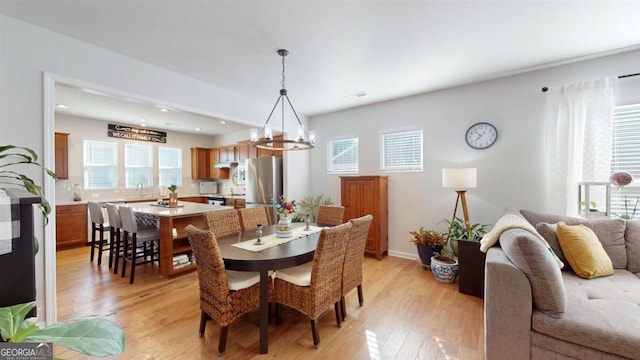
294 111
272 110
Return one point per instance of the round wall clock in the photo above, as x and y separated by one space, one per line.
481 135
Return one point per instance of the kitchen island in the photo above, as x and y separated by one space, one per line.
176 218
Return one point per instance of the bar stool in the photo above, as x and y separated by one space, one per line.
143 240
97 225
115 236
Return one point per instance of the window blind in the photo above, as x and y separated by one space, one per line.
401 151
170 166
100 164
342 156
138 165
626 157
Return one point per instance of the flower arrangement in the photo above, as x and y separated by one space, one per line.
284 206
622 179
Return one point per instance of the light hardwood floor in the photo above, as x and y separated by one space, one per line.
406 315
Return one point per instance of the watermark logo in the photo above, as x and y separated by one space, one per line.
26 351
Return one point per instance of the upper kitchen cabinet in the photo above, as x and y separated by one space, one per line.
227 154
201 163
245 151
217 173
266 152
62 155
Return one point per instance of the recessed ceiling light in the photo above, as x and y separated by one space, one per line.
198 129
143 125
164 110
62 106
142 120
223 122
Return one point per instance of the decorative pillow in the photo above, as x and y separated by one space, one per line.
533 258
584 251
548 232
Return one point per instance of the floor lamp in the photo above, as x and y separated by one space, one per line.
461 180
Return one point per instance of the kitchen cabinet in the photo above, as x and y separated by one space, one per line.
62 155
195 199
363 195
267 152
217 173
71 226
236 203
245 151
227 154
201 163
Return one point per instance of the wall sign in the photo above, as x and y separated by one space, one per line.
128 132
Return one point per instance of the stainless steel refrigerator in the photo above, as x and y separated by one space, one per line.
264 183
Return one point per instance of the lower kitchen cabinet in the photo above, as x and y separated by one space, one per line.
236 203
71 226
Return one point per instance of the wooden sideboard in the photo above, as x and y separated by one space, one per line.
363 195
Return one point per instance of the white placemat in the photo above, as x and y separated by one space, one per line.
273 240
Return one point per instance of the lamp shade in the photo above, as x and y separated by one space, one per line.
466 178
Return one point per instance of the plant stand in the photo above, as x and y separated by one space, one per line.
471 268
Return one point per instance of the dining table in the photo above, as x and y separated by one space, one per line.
237 253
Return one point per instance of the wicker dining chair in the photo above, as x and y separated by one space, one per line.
251 217
330 215
223 222
313 287
352 270
225 295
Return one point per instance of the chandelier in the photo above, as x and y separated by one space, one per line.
265 140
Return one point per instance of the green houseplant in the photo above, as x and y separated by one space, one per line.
427 243
309 206
173 197
11 158
459 231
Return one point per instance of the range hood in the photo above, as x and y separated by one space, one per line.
226 164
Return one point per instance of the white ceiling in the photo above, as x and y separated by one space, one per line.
387 49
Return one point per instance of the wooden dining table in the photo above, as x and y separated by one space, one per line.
289 254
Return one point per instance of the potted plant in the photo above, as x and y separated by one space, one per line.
173 197
427 243
458 231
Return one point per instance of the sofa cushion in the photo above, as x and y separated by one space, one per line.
531 256
632 237
602 313
584 251
548 232
610 232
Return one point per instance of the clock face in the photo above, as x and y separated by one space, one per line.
481 135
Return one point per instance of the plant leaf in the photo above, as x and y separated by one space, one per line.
94 337
12 319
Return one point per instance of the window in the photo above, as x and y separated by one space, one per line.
100 164
342 156
138 165
401 151
626 157
170 166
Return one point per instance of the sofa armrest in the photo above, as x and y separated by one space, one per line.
507 309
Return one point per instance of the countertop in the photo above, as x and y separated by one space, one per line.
186 208
145 199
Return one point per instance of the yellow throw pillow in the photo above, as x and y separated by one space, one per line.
584 251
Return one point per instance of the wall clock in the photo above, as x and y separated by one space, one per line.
481 135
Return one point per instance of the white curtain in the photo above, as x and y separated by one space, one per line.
578 131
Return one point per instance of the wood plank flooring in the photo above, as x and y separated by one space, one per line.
406 315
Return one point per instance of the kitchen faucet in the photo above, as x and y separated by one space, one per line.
140 188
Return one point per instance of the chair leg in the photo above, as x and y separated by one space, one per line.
360 297
314 332
101 232
278 315
204 317
134 247
117 257
93 240
338 309
224 330
111 246
124 254
344 308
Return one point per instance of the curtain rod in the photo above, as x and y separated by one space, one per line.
545 89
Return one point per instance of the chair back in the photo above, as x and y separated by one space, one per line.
330 215
95 212
212 277
223 222
114 216
352 273
251 217
326 271
128 218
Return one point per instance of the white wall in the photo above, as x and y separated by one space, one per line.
509 172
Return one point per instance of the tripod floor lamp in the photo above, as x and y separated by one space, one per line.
461 180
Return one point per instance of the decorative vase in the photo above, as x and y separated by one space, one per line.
284 228
425 253
443 271
173 200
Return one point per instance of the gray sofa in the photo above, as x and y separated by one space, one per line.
534 310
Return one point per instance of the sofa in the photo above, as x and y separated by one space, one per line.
536 310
